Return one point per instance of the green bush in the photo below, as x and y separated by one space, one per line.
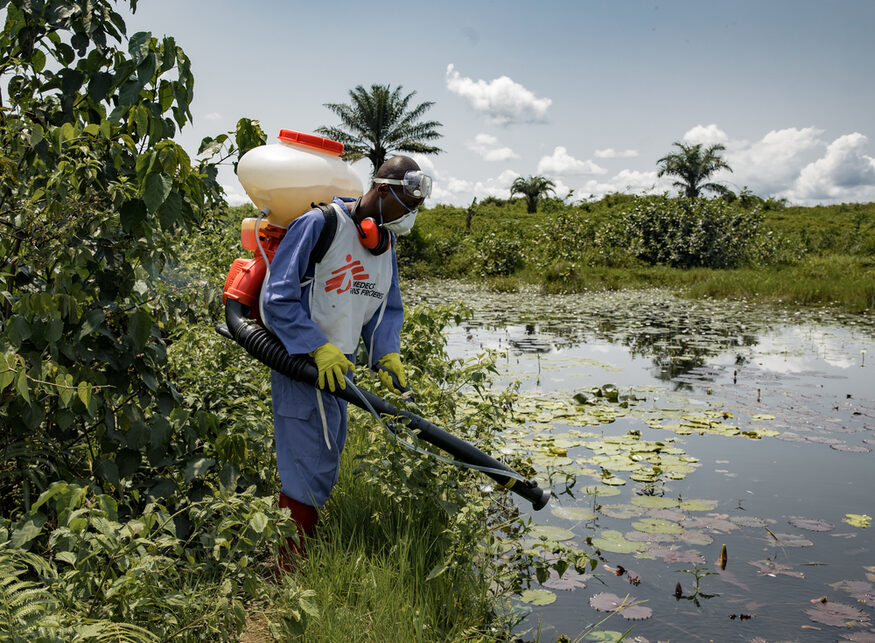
498 253
683 233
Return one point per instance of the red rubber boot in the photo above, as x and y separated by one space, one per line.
306 517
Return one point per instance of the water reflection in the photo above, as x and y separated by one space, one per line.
795 383
679 336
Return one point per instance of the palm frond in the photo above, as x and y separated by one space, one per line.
379 120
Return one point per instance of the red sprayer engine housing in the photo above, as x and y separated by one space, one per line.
246 276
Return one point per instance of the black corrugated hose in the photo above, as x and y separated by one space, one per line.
267 349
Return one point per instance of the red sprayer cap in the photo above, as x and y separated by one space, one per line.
316 142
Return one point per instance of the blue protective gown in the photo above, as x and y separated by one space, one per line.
308 469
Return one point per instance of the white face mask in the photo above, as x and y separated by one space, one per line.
403 225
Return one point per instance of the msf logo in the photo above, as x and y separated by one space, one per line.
345 275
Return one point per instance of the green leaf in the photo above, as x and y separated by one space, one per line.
7 375
18 330
38 60
127 461
27 531
132 213
162 489
66 557
138 45
129 94
84 392
99 86
197 468
258 522
108 470
538 597
436 571
140 327
22 386
155 191
137 436
93 320
65 390
141 120
53 331
210 146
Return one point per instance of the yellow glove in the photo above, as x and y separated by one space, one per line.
332 365
392 363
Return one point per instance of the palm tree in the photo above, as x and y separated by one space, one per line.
377 121
532 188
693 166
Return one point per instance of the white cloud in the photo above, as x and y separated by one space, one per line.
845 172
611 153
561 162
234 194
796 164
459 192
771 164
487 147
501 100
706 134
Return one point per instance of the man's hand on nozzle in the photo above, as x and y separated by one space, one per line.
332 365
392 362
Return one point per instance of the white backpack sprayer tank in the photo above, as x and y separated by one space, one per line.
283 180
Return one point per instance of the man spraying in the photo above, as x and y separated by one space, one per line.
323 309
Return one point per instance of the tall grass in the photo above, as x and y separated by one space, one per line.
371 562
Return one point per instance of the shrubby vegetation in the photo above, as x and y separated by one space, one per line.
737 245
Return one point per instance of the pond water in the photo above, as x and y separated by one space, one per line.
668 428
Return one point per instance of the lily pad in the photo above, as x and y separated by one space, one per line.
698 505
857 520
626 607
573 513
849 448
614 541
695 537
790 540
810 524
644 537
861 590
654 502
623 512
538 597
600 490
569 581
552 533
657 526
675 515
838 615
748 521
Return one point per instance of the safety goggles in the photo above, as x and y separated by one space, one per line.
414 184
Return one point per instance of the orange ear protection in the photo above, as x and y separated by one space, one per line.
373 237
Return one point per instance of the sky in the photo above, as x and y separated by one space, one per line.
590 94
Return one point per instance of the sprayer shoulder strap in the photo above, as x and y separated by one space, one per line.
325 237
